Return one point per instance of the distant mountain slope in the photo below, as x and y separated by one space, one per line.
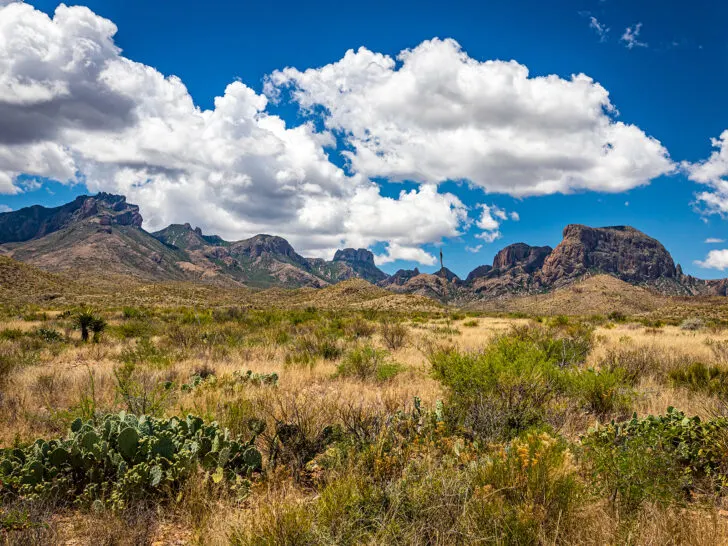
591 295
36 221
23 282
101 235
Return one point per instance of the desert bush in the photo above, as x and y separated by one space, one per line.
128 313
367 363
617 316
528 493
719 350
141 392
145 352
470 323
702 378
394 334
134 328
49 335
500 392
123 459
307 348
11 334
603 393
657 459
635 363
693 323
361 328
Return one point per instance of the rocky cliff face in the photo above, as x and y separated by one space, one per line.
520 255
37 221
621 251
362 262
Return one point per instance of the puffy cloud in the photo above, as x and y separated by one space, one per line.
490 221
5 208
72 108
474 249
630 37
716 259
712 172
714 240
408 253
435 114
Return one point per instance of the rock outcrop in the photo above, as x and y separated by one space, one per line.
621 251
362 262
37 221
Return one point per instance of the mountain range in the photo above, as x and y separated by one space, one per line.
102 235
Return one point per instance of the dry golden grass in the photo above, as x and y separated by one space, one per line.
38 395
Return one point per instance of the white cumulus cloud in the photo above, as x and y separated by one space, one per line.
74 109
713 173
716 259
435 114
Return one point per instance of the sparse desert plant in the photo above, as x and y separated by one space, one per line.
702 378
87 321
361 328
603 393
635 363
692 323
140 391
367 363
394 334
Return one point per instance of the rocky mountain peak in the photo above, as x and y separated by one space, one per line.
445 273
361 261
622 251
37 221
354 255
528 257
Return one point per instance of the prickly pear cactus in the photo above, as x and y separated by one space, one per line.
124 458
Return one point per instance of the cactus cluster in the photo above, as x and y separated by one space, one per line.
256 378
122 458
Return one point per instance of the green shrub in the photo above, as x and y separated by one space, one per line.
394 334
470 323
511 385
141 392
123 459
702 378
307 348
657 459
500 392
145 352
134 328
134 313
603 393
367 363
11 334
49 335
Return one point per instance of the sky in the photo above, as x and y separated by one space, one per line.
402 127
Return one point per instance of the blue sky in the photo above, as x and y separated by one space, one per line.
669 80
